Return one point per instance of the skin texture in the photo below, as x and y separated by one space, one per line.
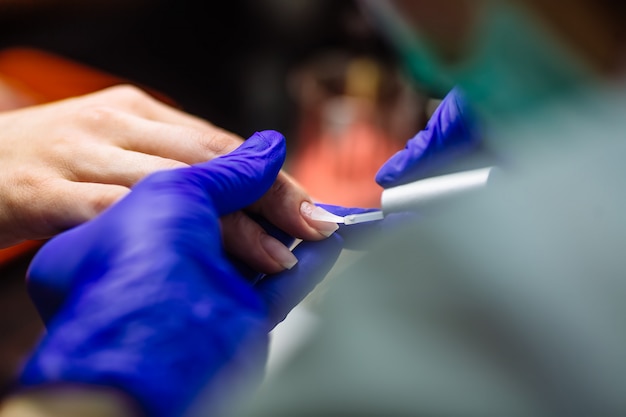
64 163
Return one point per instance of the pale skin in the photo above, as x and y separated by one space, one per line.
65 162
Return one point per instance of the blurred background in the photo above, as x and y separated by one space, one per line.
315 70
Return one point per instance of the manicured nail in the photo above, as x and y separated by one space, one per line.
279 252
324 221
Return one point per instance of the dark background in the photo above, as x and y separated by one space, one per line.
227 61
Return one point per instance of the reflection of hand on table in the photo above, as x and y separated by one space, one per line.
11 97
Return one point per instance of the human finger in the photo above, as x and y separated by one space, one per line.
250 243
141 104
128 131
66 204
283 291
193 196
106 164
283 202
187 144
289 207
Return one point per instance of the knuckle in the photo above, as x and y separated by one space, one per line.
29 199
242 235
280 188
124 96
99 115
28 182
216 142
128 93
235 225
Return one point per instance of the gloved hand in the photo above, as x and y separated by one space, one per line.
451 131
156 310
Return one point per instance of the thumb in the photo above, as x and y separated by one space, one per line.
238 179
451 132
232 182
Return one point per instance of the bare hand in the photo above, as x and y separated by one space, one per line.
65 162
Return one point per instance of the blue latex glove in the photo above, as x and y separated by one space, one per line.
451 131
155 308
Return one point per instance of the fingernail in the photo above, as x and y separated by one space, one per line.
279 252
324 221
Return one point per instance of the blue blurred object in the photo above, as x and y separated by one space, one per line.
144 299
451 131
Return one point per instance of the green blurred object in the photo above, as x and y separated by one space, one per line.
512 64
509 303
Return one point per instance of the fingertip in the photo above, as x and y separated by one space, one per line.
324 222
266 140
261 249
282 206
239 178
272 136
282 292
393 169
